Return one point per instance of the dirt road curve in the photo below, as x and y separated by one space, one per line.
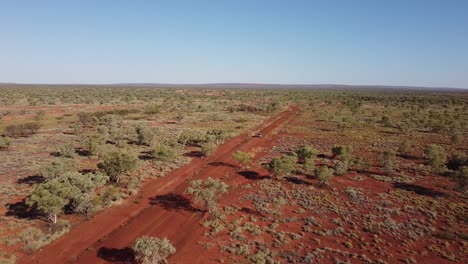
160 209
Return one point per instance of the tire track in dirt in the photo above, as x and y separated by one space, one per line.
160 209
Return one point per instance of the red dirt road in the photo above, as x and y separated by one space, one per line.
160 209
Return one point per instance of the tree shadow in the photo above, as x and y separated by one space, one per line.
297 180
82 152
55 154
87 171
222 164
418 189
193 154
30 180
145 155
124 255
251 211
22 210
408 157
252 175
172 201
323 156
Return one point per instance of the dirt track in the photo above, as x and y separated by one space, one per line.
160 209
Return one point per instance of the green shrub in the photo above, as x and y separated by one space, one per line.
405 147
436 156
67 150
323 174
282 166
243 158
218 135
207 192
307 152
145 134
361 164
208 148
343 153
152 109
95 143
387 161
5 143
192 138
163 153
309 165
341 167
22 130
152 250
117 163
58 168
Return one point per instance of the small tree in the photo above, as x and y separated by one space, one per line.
153 250
361 164
309 165
218 134
208 148
243 158
67 150
341 167
437 157
387 161
281 167
163 153
207 192
145 135
192 138
343 153
117 163
405 147
323 174
95 144
307 152
48 198
4 143
58 168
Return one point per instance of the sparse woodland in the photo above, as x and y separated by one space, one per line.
371 175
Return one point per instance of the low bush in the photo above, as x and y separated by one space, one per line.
58 168
323 174
192 138
437 157
22 130
307 152
4 143
145 134
343 153
208 148
117 163
243 158
207 192
341 167
387 161
163 153
67 150
152 250
282 166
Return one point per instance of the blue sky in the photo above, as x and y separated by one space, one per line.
395 42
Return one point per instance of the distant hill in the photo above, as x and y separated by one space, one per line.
251 86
